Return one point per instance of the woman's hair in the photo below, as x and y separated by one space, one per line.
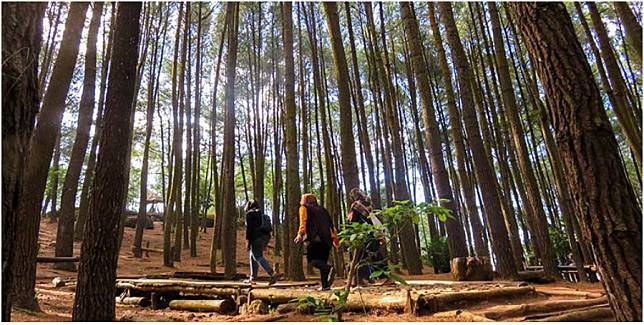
357 194
308 199
252 205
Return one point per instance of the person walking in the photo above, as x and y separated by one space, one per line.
258 233
319 233
360 212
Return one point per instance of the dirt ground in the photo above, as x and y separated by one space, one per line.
56 303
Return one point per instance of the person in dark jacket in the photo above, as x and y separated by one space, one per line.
360 212
257 241
317 229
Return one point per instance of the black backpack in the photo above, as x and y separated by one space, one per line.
266 225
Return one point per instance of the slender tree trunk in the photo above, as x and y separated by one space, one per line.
540 225
295 270
455 123
65 233
229 210
485 175
83 209
605 199
633 28
631 129
21 38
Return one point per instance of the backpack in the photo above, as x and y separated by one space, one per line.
266 226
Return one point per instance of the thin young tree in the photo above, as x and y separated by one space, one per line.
21 43
604 196
94 298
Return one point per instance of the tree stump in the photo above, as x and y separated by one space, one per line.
471 269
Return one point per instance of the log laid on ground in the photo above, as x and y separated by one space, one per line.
149 250
561 312
471 269
188 287
580 316
462 316
206 275
541 307
570 292
356 301
265 318
133 301
220 306
55 259
447 301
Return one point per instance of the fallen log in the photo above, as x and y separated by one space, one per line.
561 312
356 301
580 316
447 301
462 316
540 307
55 259
149 250
265 318
207 276
133 301
569 292
220 306
222 292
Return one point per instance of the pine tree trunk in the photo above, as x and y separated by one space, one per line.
485 175
41 150
605 199
455 123
94 298
295 270
91 159
21 38
633 28
540 224
229 209
65 233
347 142
631 129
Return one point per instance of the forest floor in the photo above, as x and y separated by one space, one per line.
56 303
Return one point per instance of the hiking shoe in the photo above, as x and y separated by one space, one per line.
331 276
274 279
249 281
323 288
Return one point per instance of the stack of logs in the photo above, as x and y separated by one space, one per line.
416 299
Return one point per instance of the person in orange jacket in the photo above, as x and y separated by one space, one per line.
317 230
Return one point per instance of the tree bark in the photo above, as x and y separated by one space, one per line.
633 28
41 150
539 223
605 200
295 271
94 298
229 209
65 233
21 42
631 129
482 166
